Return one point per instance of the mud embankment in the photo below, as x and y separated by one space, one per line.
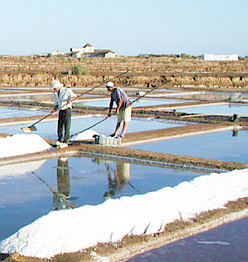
144 80
142 72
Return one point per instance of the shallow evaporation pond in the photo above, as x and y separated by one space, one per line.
5 90
226 109
231 94
32 189
11 112
224 146
107 127
28 97
138 103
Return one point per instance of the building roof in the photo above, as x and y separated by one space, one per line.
103 51
88 45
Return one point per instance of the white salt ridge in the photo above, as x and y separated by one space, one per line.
88 134
76 229
22 144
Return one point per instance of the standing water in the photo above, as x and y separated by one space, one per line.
33 189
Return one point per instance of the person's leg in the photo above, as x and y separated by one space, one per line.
119 120
125 126
60 127
67 124
126 117
117 128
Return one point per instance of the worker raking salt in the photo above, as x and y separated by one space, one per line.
63 102
124 109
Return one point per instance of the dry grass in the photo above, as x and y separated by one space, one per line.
180 71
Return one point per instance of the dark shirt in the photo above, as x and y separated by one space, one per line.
118 93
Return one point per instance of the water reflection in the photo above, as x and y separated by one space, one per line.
61 198
235 132
32 189
118 178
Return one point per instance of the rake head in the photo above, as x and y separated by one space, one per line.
28 129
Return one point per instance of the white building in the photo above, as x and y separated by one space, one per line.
79 52
88 48
110 54
104 53
56 53
212 57
89 51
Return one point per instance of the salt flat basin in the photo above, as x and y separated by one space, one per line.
27 97
138 103
26 188
225 146
49 129
12 112
10 90
224 108
225 243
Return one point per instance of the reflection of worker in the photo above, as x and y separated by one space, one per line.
62 197
121 178
123 109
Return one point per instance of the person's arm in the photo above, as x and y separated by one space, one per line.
119 99
119 105
68 97
110 107
72 96
55 108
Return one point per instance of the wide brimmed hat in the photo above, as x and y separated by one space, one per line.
109 84
56 84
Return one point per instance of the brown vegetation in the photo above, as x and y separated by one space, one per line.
178 72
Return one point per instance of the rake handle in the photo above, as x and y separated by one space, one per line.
44 117
109 115
99 122
123 73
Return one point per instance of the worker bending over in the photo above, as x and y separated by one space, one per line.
123 109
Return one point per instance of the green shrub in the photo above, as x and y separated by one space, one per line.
79 69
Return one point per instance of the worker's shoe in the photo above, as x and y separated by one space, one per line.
63 145
113 135
57 143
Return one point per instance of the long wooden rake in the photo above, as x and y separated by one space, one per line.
32 128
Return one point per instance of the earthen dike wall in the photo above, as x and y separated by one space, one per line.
174 72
